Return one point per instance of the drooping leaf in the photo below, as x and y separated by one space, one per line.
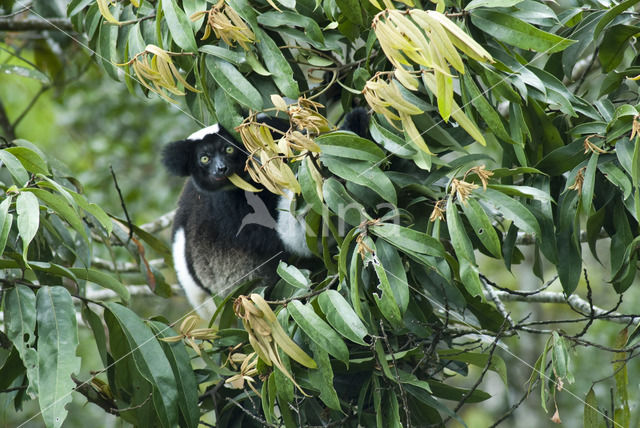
57 345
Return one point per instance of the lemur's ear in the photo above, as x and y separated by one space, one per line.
176 157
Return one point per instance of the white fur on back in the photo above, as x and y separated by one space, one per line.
291 230
199 135
201 301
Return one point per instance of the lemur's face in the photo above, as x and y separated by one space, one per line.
216 157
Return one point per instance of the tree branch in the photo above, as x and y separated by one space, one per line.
34 24
574 300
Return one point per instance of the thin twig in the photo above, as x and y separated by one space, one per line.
403 394
124 206
255 417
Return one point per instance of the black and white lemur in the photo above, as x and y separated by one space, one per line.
222 235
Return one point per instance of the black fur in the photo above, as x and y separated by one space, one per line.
357 120
221 250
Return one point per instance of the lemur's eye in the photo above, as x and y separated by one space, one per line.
204 159
229 150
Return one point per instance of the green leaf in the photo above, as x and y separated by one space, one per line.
323 377
559 356
309 188
524 191
6 220
347 145
292 275
363 173
459 239
94 210
59 205
30 160
234 83
341 203
515 32
19 70
486 110
318 330
277 64
408 239
611 15
470 278
17 171
234 57
104 280
394 267
185 376
491 3
150 362
95 322
477 359
20 322
28 211
614 44
287 18
588 186
342 317
482 226
622 413
389 140
179 26
106 48
511 209
57 344
591 418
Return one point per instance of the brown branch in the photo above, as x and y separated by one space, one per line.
93 396
34 24
124 206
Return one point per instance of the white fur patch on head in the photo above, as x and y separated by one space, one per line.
291 230
199 298
199 135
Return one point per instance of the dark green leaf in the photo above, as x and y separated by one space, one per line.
292 275
477 359
341 203
57 344
347 145
482 226
318 330
614 44
409 239
185 377
459 239
518 33
323 377
363 173
234 57
342 317
511 209
234 83
179 26
394 267
150 362
20 322
591 418
611 15
104 280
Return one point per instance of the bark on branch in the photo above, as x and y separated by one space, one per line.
34 24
